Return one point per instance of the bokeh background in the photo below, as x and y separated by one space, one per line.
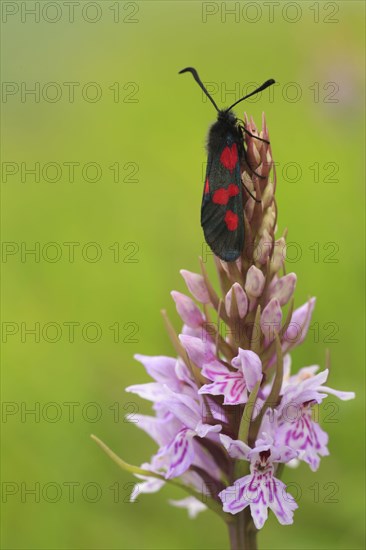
143 129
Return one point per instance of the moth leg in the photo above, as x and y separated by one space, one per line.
250 168
253 136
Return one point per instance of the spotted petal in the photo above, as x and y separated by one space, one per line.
180 452
230 385
260 491
250 365
161 368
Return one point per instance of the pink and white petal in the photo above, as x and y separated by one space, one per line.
196 286
181 453
202 430
282 453
308 438
235 447
199 352
213 371
299 391
184 409
150 485
343 395
231 386
161 430
313 382
192 479
250 365
203 333
281 502
310 457
215 388
259 512
152 391
218 412
233 497
161 368
187 310
322 439
303 374
235 392
299 325
191 504
271 320
183 373
204 461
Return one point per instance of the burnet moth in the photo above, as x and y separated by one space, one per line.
222 216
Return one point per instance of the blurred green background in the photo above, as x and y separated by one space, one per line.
140 116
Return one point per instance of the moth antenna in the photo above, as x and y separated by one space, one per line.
200 84
266 84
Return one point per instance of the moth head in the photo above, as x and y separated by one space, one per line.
226 116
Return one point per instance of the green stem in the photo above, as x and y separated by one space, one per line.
242 532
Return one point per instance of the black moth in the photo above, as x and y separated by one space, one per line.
222 217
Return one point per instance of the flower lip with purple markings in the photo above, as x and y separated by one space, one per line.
260 489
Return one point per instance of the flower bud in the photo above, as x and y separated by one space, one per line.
196 286
283 288
279 255
253 148
269 221
199 351
271 319
263 248
240 299
299 325
267 197
254 283
187 310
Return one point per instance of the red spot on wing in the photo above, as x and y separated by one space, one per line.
222 195
231 219
207 186
233 190
229 157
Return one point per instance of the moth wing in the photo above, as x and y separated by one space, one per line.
222 217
